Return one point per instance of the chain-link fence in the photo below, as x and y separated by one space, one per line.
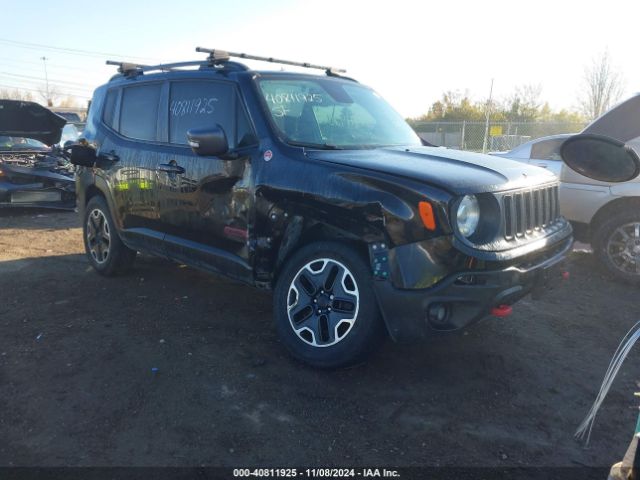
500 136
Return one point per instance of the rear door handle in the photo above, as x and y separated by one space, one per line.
170 168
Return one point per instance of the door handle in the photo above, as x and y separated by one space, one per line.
170 168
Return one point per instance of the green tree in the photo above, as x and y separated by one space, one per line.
454 106
524 104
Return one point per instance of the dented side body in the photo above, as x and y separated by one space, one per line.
244 214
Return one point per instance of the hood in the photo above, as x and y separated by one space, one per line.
454 170
30 120
621 122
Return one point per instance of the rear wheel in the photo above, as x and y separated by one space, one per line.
106 252
616 243
325 308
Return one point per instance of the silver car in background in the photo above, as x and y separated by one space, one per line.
606 215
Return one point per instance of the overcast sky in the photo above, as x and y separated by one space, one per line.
410 52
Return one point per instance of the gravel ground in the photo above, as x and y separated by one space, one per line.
79 385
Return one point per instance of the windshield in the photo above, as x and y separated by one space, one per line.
328 113
21 143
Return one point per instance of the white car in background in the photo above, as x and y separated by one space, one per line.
543 152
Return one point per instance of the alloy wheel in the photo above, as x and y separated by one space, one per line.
623 248
98 236
323 302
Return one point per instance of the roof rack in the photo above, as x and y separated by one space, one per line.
216 58
219 56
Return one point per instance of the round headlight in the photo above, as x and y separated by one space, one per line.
468 215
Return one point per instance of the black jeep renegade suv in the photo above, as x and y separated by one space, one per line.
313 186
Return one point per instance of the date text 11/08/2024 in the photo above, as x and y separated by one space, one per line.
316 473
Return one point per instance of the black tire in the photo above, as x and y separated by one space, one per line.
352 326
103 246
619 255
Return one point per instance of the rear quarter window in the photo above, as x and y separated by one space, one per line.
108 113
547 149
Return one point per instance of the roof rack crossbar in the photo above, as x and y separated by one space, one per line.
223 55
127 68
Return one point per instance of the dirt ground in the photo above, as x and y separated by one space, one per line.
78 386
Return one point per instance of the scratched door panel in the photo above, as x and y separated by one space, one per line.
135 180
204 210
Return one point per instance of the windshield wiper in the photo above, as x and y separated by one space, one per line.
322 146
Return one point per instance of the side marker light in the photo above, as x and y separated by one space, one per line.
427 216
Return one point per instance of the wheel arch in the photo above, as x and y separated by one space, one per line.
99 187
303 231
615 206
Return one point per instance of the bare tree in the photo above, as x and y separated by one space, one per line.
603 86
15 94
49 96
69 102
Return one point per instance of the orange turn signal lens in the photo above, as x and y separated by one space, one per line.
427 216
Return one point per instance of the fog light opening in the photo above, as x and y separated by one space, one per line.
438 314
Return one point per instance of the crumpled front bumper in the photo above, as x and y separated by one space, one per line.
467 295
35 187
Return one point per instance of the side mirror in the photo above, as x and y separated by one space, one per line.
208 142
82 155
600 158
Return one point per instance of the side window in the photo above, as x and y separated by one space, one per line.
547 150
200 104
139 111
109 108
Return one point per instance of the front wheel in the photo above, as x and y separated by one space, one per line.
325 308
616 243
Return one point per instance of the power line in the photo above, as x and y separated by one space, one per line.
70 51
53 65
84 85
39 84
36 74
59 89
16 87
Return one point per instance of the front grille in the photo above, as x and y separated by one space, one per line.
529 210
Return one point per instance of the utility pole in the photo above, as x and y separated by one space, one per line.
486 123
46 79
